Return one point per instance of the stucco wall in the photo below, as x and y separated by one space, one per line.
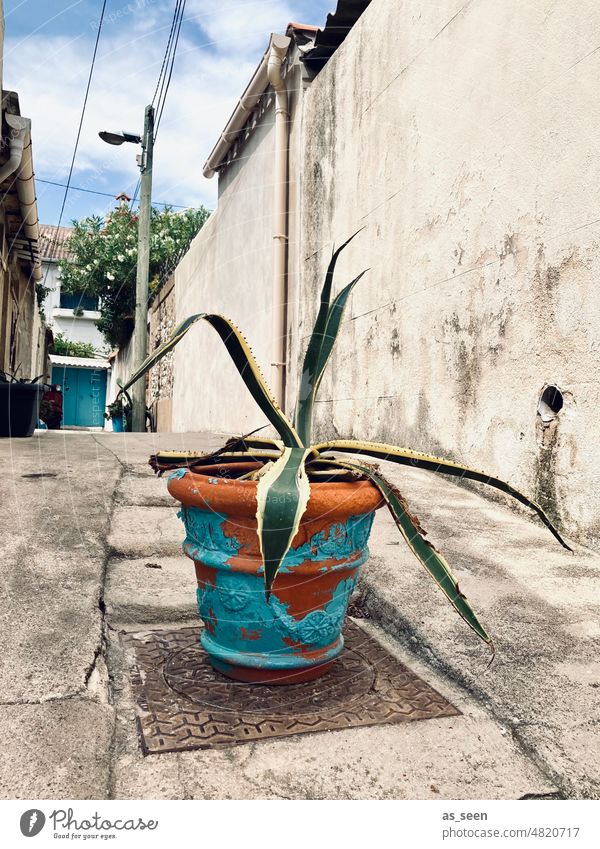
75 328
228 270
466 139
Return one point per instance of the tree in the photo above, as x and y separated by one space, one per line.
103 261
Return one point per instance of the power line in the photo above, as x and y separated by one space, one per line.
164 77
167 52
85 100
107 194
176 42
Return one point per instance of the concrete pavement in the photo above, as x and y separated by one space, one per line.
92 548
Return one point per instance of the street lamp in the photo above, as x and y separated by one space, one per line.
119 138
140 333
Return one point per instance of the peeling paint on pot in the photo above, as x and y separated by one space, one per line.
296 635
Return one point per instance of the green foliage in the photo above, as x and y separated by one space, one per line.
41 291
289 464
11 377
66 348
104 261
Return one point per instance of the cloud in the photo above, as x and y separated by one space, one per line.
239 26
219 47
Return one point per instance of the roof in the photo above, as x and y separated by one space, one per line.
301 27
315 47
81 362
53 242
337 27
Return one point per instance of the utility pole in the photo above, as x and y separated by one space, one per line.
140 333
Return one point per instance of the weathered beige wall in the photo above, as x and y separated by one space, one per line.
228 270
466 138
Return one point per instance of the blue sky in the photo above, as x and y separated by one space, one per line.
47 53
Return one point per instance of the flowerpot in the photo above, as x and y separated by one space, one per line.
296 635
117 424
19 408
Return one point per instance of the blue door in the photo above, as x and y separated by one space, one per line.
84 395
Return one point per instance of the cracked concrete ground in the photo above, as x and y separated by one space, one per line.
92 548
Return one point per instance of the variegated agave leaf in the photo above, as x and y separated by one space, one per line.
424 551
320 344
236 449
165 461
282 495
417 460
244 361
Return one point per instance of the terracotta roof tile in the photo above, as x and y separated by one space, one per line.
53 243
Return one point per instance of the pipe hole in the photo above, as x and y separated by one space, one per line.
550 403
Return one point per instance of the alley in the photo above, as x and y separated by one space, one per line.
92 550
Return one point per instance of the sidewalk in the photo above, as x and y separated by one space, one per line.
84 516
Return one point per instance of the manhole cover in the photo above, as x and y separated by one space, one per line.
190 674
182 703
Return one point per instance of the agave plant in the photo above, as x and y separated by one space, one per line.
292 461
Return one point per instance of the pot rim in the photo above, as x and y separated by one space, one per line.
334 500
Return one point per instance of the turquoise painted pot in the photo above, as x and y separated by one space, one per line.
296 635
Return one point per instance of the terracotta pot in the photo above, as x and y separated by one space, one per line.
296 635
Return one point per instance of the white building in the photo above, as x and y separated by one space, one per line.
74 315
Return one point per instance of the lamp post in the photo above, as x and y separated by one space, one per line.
140 333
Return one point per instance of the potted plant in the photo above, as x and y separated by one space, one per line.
19 404
278 528
119 412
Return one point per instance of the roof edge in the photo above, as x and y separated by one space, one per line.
252 93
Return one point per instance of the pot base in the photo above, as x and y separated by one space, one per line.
281 677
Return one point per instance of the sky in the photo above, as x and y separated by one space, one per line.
47 55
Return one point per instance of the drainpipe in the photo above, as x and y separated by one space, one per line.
18 131
276 55
20 161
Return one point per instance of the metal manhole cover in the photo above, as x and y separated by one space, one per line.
183 703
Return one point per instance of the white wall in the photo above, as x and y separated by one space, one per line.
228 270
74 328
465 137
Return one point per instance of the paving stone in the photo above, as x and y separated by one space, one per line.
56 750
150 590
145 532
134 490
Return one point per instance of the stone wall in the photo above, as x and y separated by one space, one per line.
162 320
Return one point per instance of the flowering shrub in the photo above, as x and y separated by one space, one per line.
104 259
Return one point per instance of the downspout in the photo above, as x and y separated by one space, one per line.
16 143
277 52
20 161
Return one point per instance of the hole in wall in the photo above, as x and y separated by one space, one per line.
550 403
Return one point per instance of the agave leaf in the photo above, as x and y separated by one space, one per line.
407 457
311 368
422 548
334 319
244 361
243 443
165 461
282 495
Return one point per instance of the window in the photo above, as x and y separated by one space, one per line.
78 300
